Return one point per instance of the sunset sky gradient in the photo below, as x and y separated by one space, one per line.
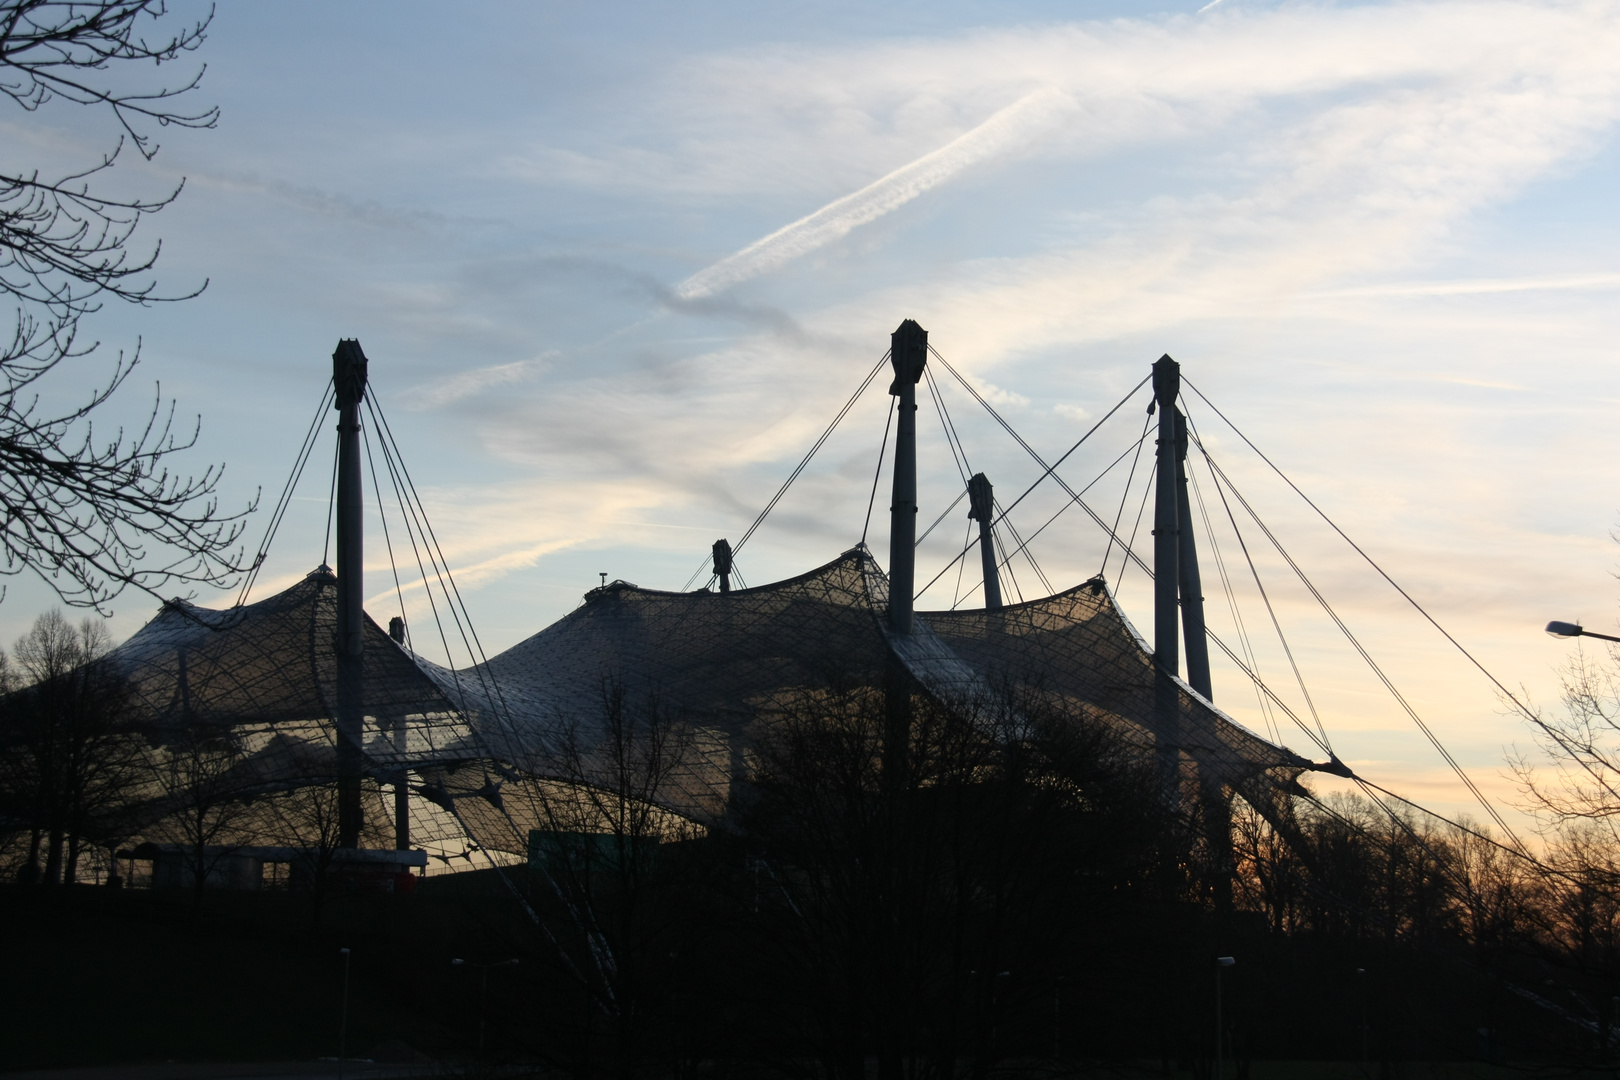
616 267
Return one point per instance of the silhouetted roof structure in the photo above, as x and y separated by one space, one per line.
270 667
722 663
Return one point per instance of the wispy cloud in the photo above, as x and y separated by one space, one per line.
1478 287
999 134
465 384
1344 218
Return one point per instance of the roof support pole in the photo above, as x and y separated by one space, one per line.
402 797
402 778
1166 578
722 564
349 379
1166 523
909 354
982 507
1192 586
1217 803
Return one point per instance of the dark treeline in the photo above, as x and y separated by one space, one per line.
69 756
898 889
84 772
1022 895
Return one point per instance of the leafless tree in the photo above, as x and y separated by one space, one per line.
1577 779
603 875
71 754
926 923
94 515
307 818
205 793
1571 783
1270 877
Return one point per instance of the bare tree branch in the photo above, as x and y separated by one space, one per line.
60 49
91 516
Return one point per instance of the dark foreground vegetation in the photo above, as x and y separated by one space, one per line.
1004 890
98 976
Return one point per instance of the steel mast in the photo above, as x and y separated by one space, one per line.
349 380
982 506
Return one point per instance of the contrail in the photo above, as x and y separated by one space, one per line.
837 218
1478 286
453 388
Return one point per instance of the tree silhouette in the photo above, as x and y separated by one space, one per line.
206 792
68 754
603 875
82 512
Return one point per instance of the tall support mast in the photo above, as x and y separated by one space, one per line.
1192 586
909 354
722 564
402 787
349 379
1166 578
1166 520
1216 802
982 506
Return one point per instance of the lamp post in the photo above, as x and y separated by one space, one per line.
1057 1017
1221 962
1567 629
343 1016
1361 981
483 995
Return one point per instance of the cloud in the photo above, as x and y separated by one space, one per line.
1304 203
1364 186
1479 287
1001 133
465 384
1296 152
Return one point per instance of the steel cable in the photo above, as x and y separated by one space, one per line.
284 501
1353 640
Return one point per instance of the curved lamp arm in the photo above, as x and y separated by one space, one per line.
1564 629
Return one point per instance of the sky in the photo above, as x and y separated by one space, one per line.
616 268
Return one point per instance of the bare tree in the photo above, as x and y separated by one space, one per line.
81 511
601 872
1571 784
1577 779
70 751
927 924
206 793
308 818
1270 876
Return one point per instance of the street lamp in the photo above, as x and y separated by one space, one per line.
1568 629
1220 963
1057 1017
343 1016
483 996
1361 981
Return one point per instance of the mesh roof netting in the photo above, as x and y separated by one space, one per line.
1079 646
490 747
265 676
271 667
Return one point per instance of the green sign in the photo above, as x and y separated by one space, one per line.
590 853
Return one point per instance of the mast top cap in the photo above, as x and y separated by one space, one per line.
981 498
349 372
1166 381
908 351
